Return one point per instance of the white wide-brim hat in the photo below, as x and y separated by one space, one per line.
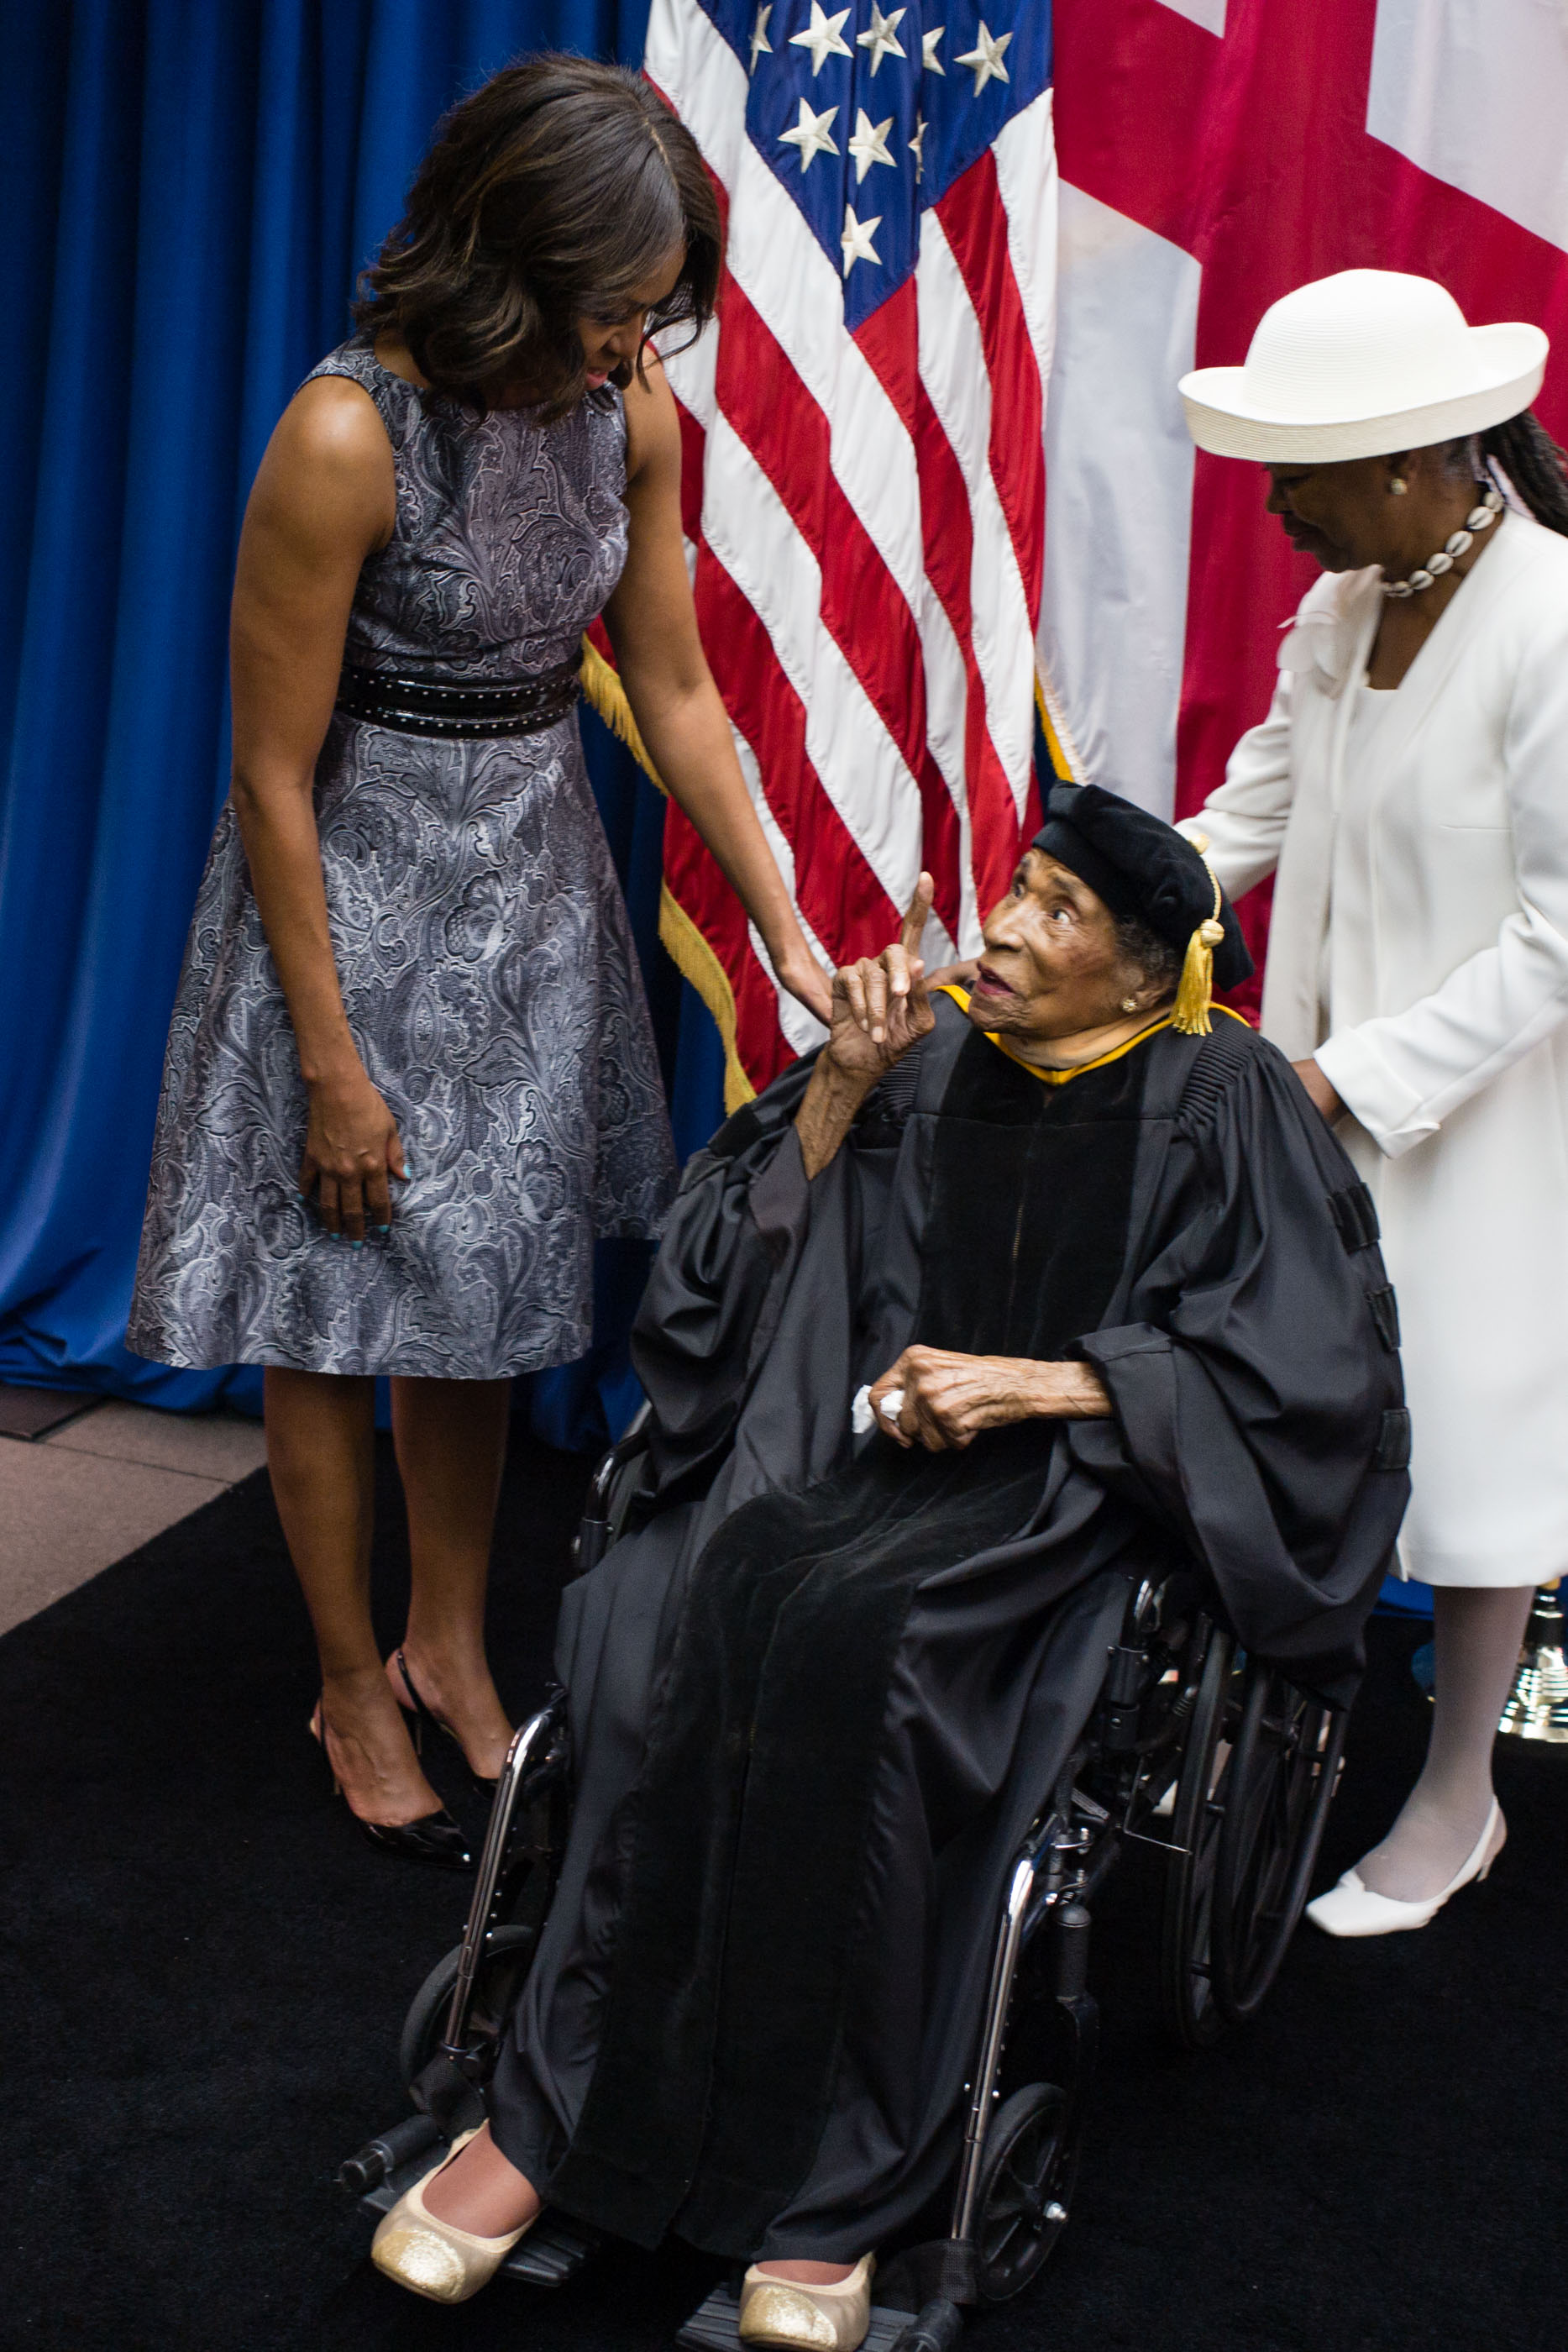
1358 365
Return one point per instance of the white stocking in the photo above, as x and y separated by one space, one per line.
1477 1630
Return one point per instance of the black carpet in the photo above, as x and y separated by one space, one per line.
204 1971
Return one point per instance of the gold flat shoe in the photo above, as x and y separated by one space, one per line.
812 2319
435 2258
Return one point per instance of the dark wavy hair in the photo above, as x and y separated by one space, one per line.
1524 458
554 192
1138 946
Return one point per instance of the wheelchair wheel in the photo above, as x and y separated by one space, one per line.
500 1973
1283 1772
1025 2190
1202 1788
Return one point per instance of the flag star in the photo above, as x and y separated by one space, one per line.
759 40
986 57
869 145
882 38
928 56
856 240
823 38
917 147
810 135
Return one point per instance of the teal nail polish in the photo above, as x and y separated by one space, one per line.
356 1245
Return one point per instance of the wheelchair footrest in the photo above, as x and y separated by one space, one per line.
555 2249
717 2327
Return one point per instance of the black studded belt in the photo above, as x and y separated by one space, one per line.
472 711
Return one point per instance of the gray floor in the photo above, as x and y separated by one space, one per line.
80 1498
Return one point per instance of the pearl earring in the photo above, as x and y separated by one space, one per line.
1398 486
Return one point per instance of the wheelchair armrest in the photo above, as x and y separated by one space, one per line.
623 1478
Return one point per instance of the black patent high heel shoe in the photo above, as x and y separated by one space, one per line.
414 1704
435 1839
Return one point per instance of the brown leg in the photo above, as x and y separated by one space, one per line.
803 2273
320 1437
451 1441
481 2192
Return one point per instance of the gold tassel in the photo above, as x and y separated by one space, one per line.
1194 994
605 694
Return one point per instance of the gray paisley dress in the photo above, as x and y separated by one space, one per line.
484 950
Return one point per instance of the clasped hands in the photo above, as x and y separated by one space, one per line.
946 1399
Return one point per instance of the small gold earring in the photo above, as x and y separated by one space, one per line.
1129 1005
1398 486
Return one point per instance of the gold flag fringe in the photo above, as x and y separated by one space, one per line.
1065 756
684 944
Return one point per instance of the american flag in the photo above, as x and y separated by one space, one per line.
864 464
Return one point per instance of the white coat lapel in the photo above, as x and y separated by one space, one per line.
1327 648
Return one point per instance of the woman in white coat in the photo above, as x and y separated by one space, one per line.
1410 790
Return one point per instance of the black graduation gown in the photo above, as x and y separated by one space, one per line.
816 1702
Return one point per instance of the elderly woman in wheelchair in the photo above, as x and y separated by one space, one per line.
1025 1447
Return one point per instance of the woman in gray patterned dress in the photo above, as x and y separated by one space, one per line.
411 1076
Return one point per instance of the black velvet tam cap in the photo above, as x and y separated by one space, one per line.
1140 866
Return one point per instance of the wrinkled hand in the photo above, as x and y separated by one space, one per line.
1319 1090
351 1143
948 1398
882 1004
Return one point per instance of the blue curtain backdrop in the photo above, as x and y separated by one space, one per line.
189 189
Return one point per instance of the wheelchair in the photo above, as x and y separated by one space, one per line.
1205 1756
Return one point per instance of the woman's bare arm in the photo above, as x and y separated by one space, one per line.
653 626
324 498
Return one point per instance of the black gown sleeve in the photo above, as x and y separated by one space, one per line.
1257 1395
729 1248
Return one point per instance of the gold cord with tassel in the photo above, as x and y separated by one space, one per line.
1195 992
605 694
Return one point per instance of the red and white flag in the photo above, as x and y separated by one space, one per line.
1213 154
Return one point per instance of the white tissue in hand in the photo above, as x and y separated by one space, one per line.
861 1412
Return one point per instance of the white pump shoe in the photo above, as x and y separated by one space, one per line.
1352 1909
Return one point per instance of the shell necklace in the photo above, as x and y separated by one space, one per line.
1479 518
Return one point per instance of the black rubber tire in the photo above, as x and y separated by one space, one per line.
506 1956
1283 1772
1028 2165
1187 1924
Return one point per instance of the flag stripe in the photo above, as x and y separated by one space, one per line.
839 894
889 338
975 221
953 371
861 606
